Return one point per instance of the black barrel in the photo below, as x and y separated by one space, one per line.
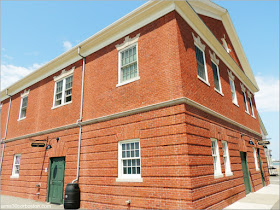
72 196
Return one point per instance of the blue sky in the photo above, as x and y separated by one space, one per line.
35 32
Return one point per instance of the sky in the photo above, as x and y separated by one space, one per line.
35 32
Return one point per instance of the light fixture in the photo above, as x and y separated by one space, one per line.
49 147
251 142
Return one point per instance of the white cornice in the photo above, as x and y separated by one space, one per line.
230 74
64 74
243 88
127 41
25 93
249 94
198 42
214 58
173 102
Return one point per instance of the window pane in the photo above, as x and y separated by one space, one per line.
129 162
127 146
138 162
200 63
124 170
133 170
138 170
216 76
23 113
129 170
59 86
24 101
123 146
124 162
17 160
136 145
136 153
132 153
245 101
133 162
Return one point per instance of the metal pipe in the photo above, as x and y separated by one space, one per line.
7 122
81 117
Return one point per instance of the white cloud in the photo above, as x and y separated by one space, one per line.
267 98
11 74
67 45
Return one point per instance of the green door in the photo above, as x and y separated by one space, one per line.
245 172
56 180
260 163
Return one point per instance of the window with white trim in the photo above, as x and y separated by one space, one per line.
201 64
226 159
245 101
129 69
233 92
216 75
256 160
16 164
251 106
128 60
216 158
23 105
63 91
129 160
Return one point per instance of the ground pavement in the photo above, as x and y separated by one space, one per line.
265 198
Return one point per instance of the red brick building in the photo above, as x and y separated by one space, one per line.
160 112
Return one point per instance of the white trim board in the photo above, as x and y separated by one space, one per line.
173 102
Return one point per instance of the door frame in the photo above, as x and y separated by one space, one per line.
49 176
261 169
247 170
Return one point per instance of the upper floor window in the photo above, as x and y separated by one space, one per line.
226 159
200 59
232 88
251 103
16 164
216 158
244 97
129 161
63 88
128 61
23 105
216 74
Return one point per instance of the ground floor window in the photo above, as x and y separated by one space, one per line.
129 160
16 164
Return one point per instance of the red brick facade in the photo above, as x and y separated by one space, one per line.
176 159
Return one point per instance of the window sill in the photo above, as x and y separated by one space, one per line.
54 107
235 104
21 119
14 176
219 92
203 80
253 116
248 113
129 179
216 176
229 174
128 81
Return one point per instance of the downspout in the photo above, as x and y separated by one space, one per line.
81 117
3 140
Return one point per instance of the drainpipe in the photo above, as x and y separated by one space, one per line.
3 140
81 117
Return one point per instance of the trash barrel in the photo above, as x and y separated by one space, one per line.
72 196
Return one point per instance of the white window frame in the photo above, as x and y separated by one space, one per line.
256 160
15 175
201 46
226 156
217 170
218 73
206 81
127 177
128 43
23 96
245 102
62 77
251 103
